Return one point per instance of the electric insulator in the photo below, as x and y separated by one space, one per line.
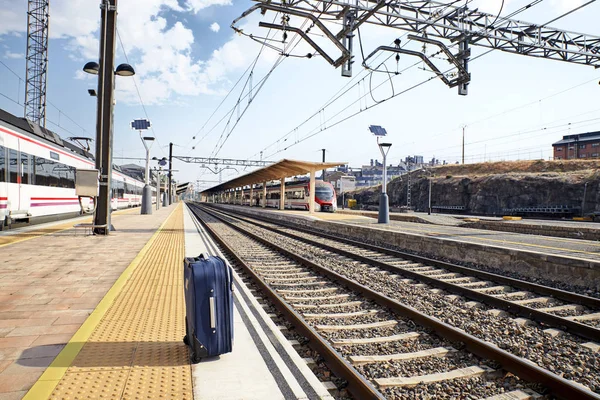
309 55
397 42
397 57
284 37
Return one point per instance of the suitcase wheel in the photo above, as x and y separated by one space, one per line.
195 358
186 340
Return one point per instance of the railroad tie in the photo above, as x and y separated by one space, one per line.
373 325
315 298
433 352
319 306
543 300
586 317
381 339
290 291
409 382
341 315
567 307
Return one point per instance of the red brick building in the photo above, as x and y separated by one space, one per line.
580 146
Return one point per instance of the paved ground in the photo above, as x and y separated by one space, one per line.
50 284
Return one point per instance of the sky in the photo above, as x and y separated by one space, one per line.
188 60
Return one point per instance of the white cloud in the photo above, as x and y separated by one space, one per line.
13 15
197 5
215 27
10 54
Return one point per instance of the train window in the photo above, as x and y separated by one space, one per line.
49 173
13 166
54 156
25 172
2 164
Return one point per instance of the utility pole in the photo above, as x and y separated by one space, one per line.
323 150
104 117
463 144
408 194
170 173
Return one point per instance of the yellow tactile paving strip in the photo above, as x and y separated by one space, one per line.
134 349
20 237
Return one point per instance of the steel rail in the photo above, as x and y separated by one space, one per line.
574 327
523 368
357 384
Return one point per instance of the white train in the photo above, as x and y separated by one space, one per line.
296 196
37 175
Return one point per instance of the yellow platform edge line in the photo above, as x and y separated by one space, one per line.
59 229
48 381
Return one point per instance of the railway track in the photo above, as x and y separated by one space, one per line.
380 346
572 312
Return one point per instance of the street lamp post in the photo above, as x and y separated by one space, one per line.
147 192
384 148
384 205
161 162
106 72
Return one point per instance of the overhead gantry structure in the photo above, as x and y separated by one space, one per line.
231 192
453 24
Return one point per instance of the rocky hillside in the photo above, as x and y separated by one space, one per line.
488 188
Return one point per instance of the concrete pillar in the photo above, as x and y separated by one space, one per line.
241 196
264 202
251 194
282 194
311 189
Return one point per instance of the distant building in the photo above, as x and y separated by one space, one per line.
579 146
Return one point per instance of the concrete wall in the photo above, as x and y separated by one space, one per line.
567 270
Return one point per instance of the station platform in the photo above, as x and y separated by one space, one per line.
86 317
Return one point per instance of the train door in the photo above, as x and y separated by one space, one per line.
13 181
3 183
26 187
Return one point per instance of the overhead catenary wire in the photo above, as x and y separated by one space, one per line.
250 67
61 112
137 89
314 133
337 95
281 58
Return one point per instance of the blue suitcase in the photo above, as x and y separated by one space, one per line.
208 287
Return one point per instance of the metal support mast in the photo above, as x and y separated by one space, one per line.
37 61
104 125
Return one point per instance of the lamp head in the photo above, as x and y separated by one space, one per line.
148 138
125 70
91 67
385 145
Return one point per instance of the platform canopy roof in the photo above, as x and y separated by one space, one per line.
281 169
